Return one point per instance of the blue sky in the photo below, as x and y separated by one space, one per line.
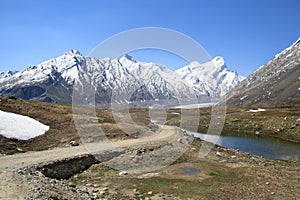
246 33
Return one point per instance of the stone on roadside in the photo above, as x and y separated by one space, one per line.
74 143
122 173
179 140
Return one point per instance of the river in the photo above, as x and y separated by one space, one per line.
268 147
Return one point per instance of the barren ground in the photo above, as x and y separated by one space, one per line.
223 174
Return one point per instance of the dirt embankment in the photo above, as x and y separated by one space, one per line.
223 174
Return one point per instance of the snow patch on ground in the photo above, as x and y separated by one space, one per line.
191 106
20 127
244 97
258 110
175 113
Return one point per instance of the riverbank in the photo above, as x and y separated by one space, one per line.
283 123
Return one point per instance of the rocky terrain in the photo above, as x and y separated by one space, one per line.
224 174
275 84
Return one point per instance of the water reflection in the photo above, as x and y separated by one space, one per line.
267 147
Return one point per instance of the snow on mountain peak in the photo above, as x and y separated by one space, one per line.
212 77
127 61
73 52
7 74
127 58
298 41
218 61
122 74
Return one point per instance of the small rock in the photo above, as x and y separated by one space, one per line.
267 183
72 185
19 149
292 127
122 173
256 132
74 143
95 191
219 154
150 193
233 156
272 193
105 189
102 192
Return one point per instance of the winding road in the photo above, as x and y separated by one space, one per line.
17 161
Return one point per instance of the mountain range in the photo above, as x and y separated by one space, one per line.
274 84
121 80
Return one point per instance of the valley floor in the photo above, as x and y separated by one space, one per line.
222 174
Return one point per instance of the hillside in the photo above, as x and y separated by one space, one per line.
274 84
60 120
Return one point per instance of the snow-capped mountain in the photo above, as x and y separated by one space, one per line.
7 74
213 77
119 80
276 83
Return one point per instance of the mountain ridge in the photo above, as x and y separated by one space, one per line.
277 83
53 80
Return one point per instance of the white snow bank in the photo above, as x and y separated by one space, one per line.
258 110
20 127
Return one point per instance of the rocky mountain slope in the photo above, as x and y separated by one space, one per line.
276 83
121 80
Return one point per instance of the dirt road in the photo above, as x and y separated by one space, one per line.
15 188
13 162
